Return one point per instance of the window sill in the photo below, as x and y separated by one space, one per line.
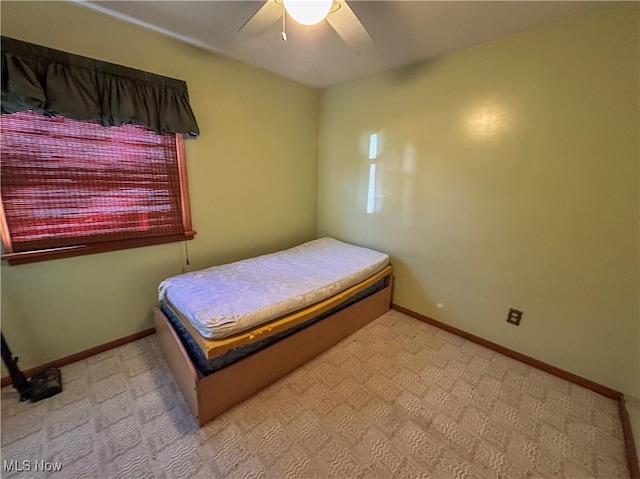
58 253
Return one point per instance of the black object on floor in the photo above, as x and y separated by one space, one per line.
45 384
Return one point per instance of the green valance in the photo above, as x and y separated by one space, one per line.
54 82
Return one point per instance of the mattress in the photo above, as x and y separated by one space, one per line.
225 300
207 366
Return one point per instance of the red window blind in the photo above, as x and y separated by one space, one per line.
67 183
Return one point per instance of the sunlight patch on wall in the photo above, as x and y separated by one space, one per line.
371 149
371 190
488 119
373 146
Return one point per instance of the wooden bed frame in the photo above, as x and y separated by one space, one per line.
210 396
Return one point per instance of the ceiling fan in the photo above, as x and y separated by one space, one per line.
309 12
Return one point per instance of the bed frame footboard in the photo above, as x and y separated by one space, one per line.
183 370
210 396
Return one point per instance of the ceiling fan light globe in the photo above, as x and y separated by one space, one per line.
308 12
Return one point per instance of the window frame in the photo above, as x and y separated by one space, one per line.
17 258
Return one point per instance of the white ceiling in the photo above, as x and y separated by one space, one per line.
404 32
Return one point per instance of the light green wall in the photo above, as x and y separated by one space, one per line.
252 176
507 176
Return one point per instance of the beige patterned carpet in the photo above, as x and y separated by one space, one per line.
399 398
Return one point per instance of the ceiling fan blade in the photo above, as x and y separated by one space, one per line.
349 27
268 14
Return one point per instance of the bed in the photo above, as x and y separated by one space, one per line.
231 330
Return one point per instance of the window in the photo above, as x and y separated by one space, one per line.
79 173
72 187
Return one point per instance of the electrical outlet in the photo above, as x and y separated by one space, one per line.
514 317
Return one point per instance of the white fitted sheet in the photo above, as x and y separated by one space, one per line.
224 300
